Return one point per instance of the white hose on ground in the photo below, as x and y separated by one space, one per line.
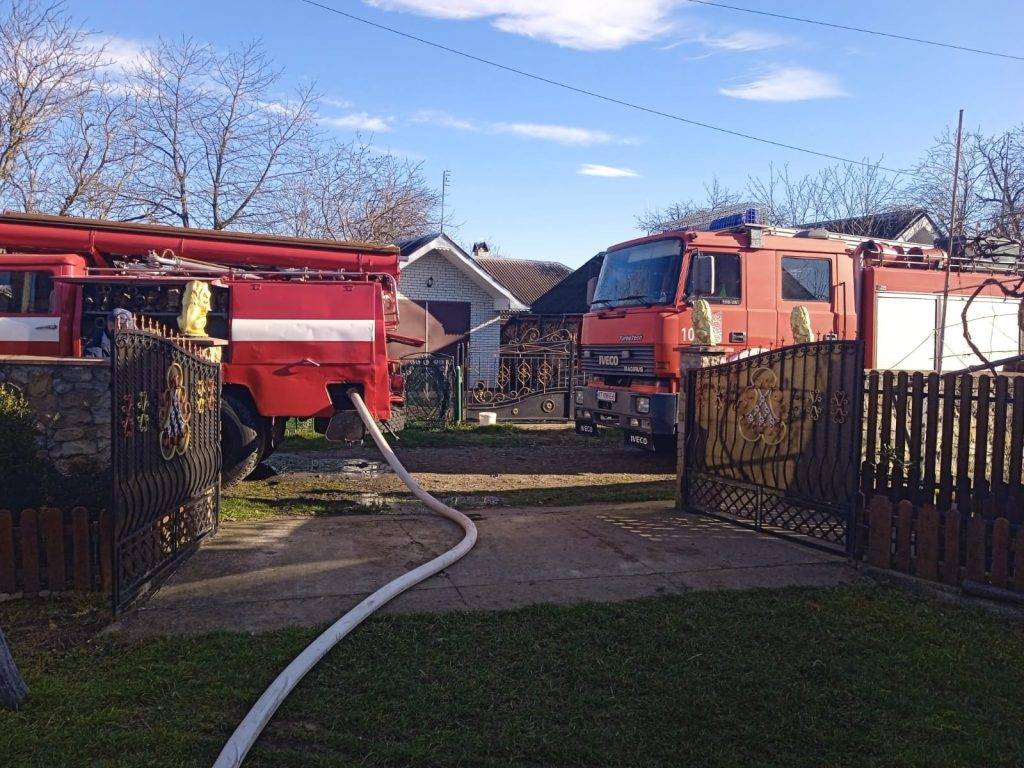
245 735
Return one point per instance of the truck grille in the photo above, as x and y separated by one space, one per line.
608 359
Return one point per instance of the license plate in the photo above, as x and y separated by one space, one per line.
605 397
585 428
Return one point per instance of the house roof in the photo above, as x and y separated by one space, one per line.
412 244
415 248
526 278
569 295
886 225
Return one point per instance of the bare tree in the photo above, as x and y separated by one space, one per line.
785 200
251 146
932 182
47 70
354 192
12 686
840 191
1003 192
990 197
217 147
167 84
85 165
717 197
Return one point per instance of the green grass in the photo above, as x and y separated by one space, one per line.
797 678
300 436
242 507
245 509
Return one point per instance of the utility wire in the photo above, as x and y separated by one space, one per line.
600 96
905 38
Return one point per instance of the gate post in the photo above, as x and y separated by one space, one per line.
692 358
459 394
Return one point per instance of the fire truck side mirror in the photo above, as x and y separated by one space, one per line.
591 290
702 275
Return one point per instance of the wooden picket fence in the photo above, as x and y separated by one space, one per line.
54 550
946 439
945 546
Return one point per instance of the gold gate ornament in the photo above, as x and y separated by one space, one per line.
175 414
762 408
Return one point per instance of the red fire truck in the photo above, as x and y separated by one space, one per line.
887 293
305 320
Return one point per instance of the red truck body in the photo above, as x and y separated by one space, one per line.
304 319
888 294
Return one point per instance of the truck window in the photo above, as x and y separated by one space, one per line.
806 279
25 292
647 273
728 279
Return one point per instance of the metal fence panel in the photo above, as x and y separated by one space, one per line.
774 440
165 456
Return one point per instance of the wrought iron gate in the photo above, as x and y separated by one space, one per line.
430 388
774 440
530 380
165 456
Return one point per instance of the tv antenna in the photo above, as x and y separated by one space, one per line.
445 177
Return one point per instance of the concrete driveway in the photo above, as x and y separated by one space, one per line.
308 571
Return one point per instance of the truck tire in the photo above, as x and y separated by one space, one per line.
242 438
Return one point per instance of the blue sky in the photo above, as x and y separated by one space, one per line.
548 174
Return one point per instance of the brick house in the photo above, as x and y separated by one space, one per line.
457 302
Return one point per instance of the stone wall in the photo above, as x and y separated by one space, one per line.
71 399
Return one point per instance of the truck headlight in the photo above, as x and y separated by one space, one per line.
579 395
643 405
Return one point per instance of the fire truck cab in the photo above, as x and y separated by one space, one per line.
753 277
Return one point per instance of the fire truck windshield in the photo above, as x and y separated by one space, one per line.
641 274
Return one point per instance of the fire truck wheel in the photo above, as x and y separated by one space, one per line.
275 436
242 439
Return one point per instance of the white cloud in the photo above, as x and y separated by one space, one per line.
740 41
335 102
744 40
118 53
359 121
583 24
561 134
606 171
788 84
444 120
568 135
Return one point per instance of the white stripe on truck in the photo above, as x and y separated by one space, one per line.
30 328
253 329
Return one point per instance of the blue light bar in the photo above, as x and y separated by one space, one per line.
749 216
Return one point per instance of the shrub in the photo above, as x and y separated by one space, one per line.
26 474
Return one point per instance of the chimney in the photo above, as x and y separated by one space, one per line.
480 250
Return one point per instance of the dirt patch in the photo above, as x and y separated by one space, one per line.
54 623
356 481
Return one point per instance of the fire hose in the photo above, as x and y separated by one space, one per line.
245 735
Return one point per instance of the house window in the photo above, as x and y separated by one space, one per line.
25 292
806 279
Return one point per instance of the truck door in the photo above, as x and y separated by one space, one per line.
728 310
30 322
808 281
